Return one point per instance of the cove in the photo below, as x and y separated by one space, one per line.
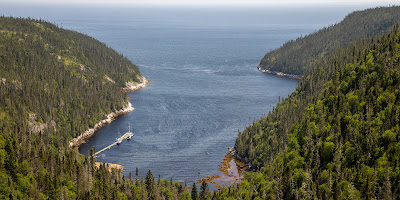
204 86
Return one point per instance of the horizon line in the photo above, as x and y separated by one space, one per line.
209 3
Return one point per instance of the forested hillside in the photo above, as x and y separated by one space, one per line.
54 85
296 56
338 135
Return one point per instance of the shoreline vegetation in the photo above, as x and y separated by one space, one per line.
281 74
129 87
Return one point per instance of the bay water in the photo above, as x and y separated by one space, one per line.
204 86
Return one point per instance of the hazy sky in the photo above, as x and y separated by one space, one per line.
215 2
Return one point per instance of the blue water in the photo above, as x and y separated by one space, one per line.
204 81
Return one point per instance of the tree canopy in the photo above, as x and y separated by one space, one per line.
338 135
297 56
55 84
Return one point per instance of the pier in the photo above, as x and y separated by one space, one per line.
119 140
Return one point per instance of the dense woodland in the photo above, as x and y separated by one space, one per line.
338 135
54 85
296 56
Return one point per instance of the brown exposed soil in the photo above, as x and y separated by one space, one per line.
110 166
231 172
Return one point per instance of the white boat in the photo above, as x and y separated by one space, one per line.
119 139
129 133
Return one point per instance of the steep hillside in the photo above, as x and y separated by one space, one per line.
338 135
59 77
54 85
296 56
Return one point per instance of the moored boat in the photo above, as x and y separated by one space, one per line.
119 139
129 133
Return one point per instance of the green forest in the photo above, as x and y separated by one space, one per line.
337 136
297 56
54 85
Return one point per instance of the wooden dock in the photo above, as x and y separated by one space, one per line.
109 146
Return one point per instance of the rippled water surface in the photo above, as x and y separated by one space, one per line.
204 80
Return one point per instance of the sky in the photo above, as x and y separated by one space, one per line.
214 2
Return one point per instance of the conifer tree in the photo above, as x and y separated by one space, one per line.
195 194
204 190
150 185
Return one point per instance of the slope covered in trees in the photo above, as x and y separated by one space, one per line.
338 135
55 84
296 56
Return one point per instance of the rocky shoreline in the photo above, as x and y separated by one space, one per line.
231 171
133 86
267 71
109 118
129 87
246 161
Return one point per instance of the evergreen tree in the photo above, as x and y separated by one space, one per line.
195 193
204 190
137 177
150 185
